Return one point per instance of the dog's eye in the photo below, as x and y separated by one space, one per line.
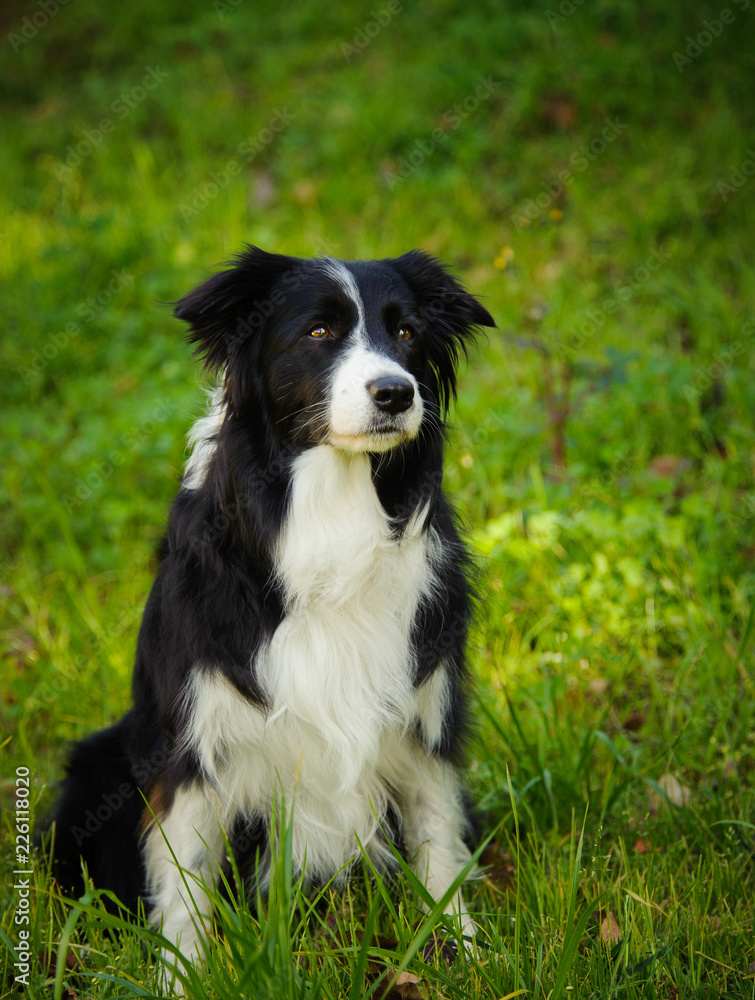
320 332
405 333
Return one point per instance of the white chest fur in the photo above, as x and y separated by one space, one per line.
341 659
337 673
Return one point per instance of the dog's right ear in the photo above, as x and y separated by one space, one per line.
225 312
450 313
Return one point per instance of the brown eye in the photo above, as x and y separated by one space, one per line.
320 332
405 333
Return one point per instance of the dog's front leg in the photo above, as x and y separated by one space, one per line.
189 837
433 825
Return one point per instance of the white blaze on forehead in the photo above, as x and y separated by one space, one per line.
343 277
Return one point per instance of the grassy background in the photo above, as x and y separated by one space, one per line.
602 449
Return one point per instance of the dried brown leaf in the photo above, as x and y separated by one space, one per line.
674 793
597 687
610 931
375 966
634 721
499 866
406 987
668 466
71 961
559 111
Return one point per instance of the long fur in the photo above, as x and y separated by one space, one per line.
304 638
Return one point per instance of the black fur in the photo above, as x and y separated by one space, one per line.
98 815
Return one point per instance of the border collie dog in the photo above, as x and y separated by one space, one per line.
304 639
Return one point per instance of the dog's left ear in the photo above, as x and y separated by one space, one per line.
227 311
448 312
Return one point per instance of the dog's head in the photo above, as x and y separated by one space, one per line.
353 354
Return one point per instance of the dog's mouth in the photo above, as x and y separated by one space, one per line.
388 429
374 439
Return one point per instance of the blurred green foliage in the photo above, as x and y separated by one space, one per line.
587 168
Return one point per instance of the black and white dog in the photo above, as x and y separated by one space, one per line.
304 638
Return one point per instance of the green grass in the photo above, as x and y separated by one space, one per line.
602 449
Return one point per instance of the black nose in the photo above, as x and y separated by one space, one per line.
392 393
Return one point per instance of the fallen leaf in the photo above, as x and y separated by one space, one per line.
559 111
376 966
610 931
339 914
641 846
597 687
674 793
498 865
406 987
668 466
634 721
69 994
71 961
